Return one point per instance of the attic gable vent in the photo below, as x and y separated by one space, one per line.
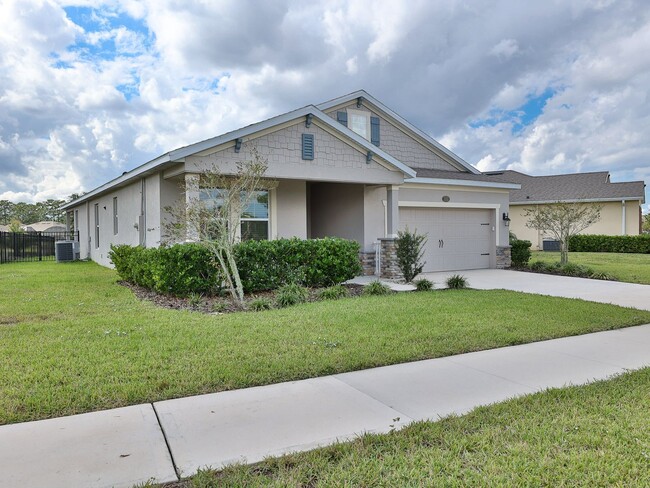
308 147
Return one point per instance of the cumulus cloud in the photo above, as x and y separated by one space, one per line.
90 91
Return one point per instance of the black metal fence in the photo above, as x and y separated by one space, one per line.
31 246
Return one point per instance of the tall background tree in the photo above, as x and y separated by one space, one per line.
29 213
562 220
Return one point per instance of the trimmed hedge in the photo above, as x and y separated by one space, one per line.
267 265
183 269
520 252
600 243
180 270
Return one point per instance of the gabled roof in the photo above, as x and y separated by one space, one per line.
594 186
366 97
178 155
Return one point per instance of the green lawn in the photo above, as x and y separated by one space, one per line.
72 340
594 435
633 268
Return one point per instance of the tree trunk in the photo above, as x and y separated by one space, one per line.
564 252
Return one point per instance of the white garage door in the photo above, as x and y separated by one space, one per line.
456 238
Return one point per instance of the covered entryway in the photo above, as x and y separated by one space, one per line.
457 238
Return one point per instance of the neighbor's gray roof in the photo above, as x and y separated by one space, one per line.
570 187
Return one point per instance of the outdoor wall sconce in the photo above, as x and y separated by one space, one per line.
308 120
506 219
369 156
238 144
359 101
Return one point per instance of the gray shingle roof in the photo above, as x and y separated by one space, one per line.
570 187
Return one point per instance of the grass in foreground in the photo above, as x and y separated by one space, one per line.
633 268
594 435
72 340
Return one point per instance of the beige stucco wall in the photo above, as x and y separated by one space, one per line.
400 145
290 211
610 222
334 160
128 202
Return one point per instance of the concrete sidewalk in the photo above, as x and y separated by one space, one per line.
121 447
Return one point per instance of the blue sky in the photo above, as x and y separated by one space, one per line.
545 88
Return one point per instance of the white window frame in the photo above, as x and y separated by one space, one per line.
97 226
359 113
268 219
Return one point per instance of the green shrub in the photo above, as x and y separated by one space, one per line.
180 270
333 293
457 282
259 304
267 265
601 243
599 275
423 285
410 249
538 266
290 294
520 252
572 269
376 288
263 265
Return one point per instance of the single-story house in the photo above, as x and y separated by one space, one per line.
349 167
45 226
620 202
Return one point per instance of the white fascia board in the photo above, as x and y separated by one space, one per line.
120 180
451 182
373 101
581 200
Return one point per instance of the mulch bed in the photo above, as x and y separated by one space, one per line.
215 304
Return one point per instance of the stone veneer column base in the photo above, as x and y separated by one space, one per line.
504 257
367 259
388 259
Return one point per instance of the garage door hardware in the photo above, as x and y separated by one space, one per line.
441 243
485 254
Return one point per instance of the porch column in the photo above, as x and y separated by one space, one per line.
191 199
392 210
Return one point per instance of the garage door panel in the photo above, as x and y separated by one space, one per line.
456 238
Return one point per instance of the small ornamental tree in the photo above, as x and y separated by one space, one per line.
410 250
215 222
562 220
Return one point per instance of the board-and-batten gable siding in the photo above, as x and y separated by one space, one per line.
334 159
399 145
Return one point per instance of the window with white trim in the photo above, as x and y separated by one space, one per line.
254 219
359 122
97 226
115 223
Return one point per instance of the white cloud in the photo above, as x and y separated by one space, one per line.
71 119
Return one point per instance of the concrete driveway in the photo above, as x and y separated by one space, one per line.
615 292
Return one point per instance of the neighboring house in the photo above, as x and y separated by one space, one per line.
620 202
5 228
45 226
349 168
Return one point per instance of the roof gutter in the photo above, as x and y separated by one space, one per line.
453 182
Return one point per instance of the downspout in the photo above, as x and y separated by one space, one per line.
623 218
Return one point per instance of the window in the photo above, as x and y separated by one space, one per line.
76 221
359 122
96 225
254 218
115 226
